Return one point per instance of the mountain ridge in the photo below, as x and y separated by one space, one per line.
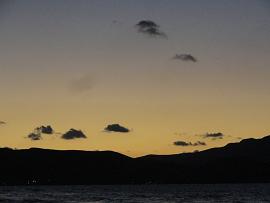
245 161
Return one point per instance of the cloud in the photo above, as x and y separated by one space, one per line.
116 128
199 143
38 131
185 57
34 136
150 28
182 143
214 136
44 129
82 84
73 134
2 123
147 24
186 144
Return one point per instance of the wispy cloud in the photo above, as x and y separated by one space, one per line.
73 134
34 136
2 123
185 58
82 84
198 143
116 128
186 144
213 136
150 28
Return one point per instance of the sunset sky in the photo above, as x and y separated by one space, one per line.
84 64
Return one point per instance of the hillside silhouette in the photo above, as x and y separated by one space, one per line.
244 162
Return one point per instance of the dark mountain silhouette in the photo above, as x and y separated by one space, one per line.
246 161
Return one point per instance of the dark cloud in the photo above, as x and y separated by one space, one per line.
34 136
73 134
182 143
150 28
185 57
186 144
44 129
116 128
38 131
82 84
218 135
147 24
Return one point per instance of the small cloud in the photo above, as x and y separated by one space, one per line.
2 123
73 134
147 24
34 136
150 28
38 131
82 84
186 144
185 57
116 128
199 143
182 143
44 129
214 136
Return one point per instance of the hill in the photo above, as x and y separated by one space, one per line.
246 161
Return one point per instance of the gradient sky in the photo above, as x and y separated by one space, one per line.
83 65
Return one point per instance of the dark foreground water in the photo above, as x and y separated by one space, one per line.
138 193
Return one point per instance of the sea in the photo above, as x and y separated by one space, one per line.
198 193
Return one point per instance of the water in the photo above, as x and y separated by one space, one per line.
215 193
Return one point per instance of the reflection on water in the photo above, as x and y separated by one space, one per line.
138 193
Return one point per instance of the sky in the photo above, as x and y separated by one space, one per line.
197 78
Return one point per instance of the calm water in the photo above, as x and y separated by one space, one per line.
139 193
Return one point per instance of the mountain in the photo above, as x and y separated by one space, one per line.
246 161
